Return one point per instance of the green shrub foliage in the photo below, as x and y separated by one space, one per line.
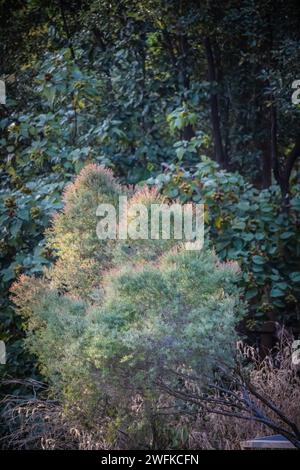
107 327
180 311
81 255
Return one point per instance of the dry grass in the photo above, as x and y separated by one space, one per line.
43 424
277 379
38 423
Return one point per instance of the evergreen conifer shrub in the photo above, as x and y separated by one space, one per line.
111 318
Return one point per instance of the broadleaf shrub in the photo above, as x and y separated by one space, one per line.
249 226
25 212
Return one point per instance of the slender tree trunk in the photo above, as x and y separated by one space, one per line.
267 165
224 125
286 173
274 150
188 132
282 175
263 143
215 118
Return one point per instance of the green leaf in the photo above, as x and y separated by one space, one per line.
275 292
16 227
295 276
286 235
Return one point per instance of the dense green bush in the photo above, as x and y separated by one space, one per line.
81 255
105 345
249 226
139 250
178 312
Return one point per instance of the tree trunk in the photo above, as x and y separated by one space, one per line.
215 118
188 132
267 166
286 173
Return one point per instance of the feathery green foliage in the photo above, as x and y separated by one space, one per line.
159 309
